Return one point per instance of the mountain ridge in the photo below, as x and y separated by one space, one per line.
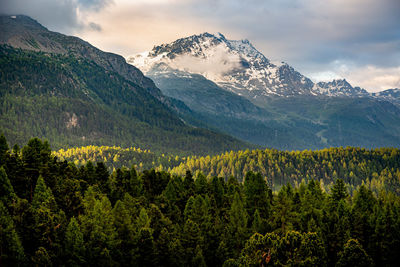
295 112
245 70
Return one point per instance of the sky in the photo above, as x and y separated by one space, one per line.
358 40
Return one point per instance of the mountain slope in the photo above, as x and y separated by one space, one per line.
201 94
234 114
26 33
295 112
346 121
75 99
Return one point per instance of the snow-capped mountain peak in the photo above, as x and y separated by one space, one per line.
338 87
235 65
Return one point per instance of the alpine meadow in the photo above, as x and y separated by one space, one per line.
212 133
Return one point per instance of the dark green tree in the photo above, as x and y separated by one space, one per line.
353 255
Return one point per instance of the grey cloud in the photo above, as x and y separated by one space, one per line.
94 4
58 15
95 26
313 30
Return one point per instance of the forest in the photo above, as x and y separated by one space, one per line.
377 169
56 213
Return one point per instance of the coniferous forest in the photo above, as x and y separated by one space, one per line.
57 213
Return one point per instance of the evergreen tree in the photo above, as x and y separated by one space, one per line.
7 194
354 255
237 225
198 259
48 222
339 190
147 253
97 224
11 249
74 244
3 149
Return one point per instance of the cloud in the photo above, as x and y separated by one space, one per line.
374 78
218 61
370 77
95 26
66 16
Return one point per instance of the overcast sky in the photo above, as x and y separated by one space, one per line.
324 39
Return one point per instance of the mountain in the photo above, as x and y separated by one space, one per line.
26 33
228 112
291 112
200 94
234 65
62 88
338 88
237 66
392 95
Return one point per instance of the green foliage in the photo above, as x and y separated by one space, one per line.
353 255
378 169
88 215
7 194
74 244
11 249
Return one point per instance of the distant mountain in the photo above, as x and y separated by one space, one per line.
392 95
338 88
62 88
290 111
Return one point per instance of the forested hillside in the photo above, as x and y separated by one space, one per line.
116 157
55 213
72 101
377 169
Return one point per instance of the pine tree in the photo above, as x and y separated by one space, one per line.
47 221
3 149
11 250
237 225
74 244
198 259
97 224
143 221
191 238
146 252
256 192
353 255
257 224
339 190
7 194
